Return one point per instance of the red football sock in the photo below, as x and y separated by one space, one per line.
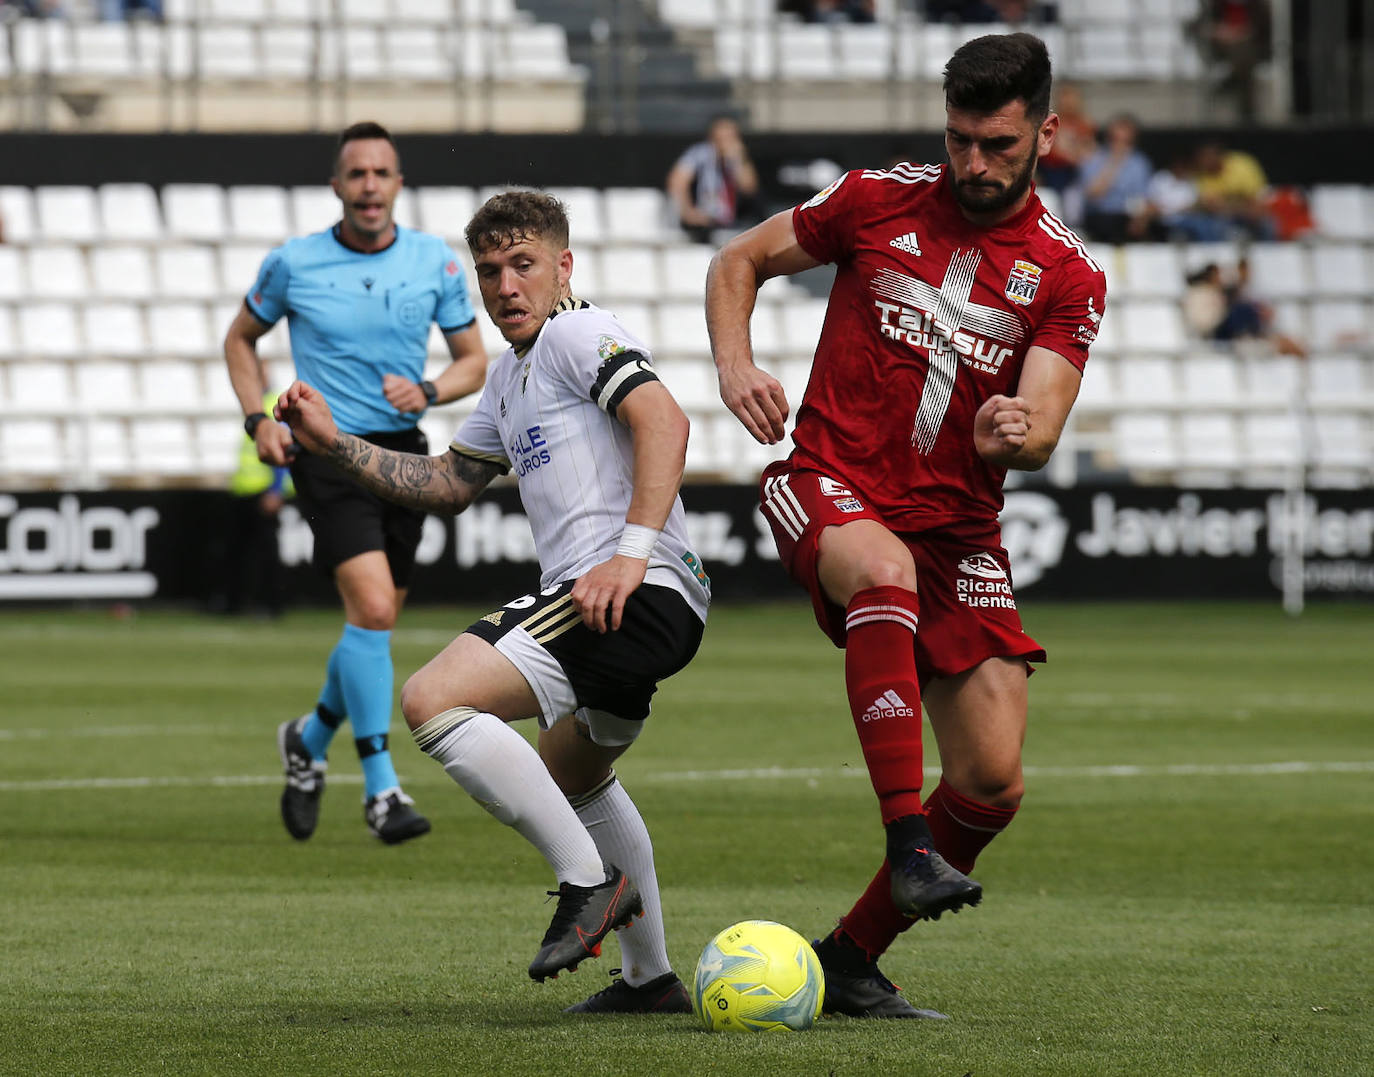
884 694
962 827
874 922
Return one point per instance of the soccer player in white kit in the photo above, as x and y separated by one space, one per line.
598 446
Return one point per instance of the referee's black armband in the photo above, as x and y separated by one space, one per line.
618 375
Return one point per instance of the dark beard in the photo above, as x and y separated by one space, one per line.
981 200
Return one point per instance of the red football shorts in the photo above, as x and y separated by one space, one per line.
968 611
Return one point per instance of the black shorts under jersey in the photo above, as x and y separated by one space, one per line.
347 520
618 671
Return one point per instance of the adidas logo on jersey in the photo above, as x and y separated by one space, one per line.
888 705
908 243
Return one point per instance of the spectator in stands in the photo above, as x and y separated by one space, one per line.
1172 209
838 11
714 185
1073 144
1231 187
118 10
1238 34
1114 181
1222 309
40 9
1013 12
359 299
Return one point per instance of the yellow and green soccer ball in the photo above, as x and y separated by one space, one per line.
758 976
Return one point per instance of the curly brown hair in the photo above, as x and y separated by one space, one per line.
512 216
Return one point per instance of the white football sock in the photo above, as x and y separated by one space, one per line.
622 839
502 771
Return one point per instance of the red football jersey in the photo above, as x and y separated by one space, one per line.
929 316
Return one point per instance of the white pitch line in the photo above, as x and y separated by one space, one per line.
1126 770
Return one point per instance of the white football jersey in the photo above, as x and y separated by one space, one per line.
548 414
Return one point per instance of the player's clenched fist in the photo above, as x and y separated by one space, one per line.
757 400
309 417
1000 427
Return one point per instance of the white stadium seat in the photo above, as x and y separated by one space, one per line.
1212 379
1333 379
1279 271
1272 379
58 272
186 272
635 213
684 270
1145 440
417 54
238 266
1151 325
1338 323
68 213
119 272
1209 443
105 386
1151 270
130 211
682 331
692 383
104 49
1340 269
38 386
114 329
227 51
1272 443
9 343
288 52
16 210
1342 211
802 320
586 217
162 446
259 212
630 272
313 209
49 329
13 277
445 211
170 385
1147 381
33 446
194 211
181 329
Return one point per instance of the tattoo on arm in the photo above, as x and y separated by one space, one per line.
443 484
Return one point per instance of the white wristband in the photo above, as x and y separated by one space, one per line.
637 541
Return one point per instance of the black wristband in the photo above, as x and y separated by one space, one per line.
250 423
431 392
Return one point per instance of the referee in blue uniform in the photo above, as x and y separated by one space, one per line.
358 299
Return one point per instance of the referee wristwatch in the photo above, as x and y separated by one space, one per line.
250 423
431 392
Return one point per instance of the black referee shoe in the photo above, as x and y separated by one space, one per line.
300 800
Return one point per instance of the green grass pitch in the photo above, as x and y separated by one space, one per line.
1189 888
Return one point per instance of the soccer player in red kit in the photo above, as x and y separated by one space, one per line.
952 349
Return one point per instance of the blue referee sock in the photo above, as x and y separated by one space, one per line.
366 677
331 711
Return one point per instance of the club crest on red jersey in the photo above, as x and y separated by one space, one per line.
820 196
1022 282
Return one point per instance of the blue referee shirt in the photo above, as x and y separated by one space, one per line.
354 317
